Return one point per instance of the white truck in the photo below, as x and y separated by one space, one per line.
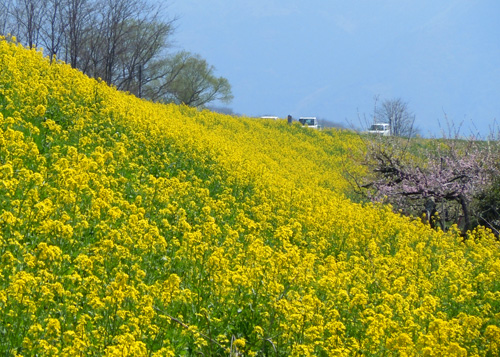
310 122
380 129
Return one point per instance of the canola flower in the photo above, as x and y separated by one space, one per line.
130 228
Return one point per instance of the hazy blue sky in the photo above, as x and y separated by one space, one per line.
329 58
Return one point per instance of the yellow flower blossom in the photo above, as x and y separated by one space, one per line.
132 228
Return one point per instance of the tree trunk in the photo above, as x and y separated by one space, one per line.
465 209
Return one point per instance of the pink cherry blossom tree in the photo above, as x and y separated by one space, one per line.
437 180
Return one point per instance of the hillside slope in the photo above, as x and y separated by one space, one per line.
132 228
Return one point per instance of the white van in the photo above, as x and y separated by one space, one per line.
310 122
380 129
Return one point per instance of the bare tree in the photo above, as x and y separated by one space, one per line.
91 58
53 28
125 37
5 9
145 42
114 14
28 16
79 16
396 113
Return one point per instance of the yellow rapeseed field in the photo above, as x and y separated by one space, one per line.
129 228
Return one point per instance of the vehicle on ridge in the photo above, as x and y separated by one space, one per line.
310 122
383 129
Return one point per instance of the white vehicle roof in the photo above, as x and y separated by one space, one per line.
379 126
